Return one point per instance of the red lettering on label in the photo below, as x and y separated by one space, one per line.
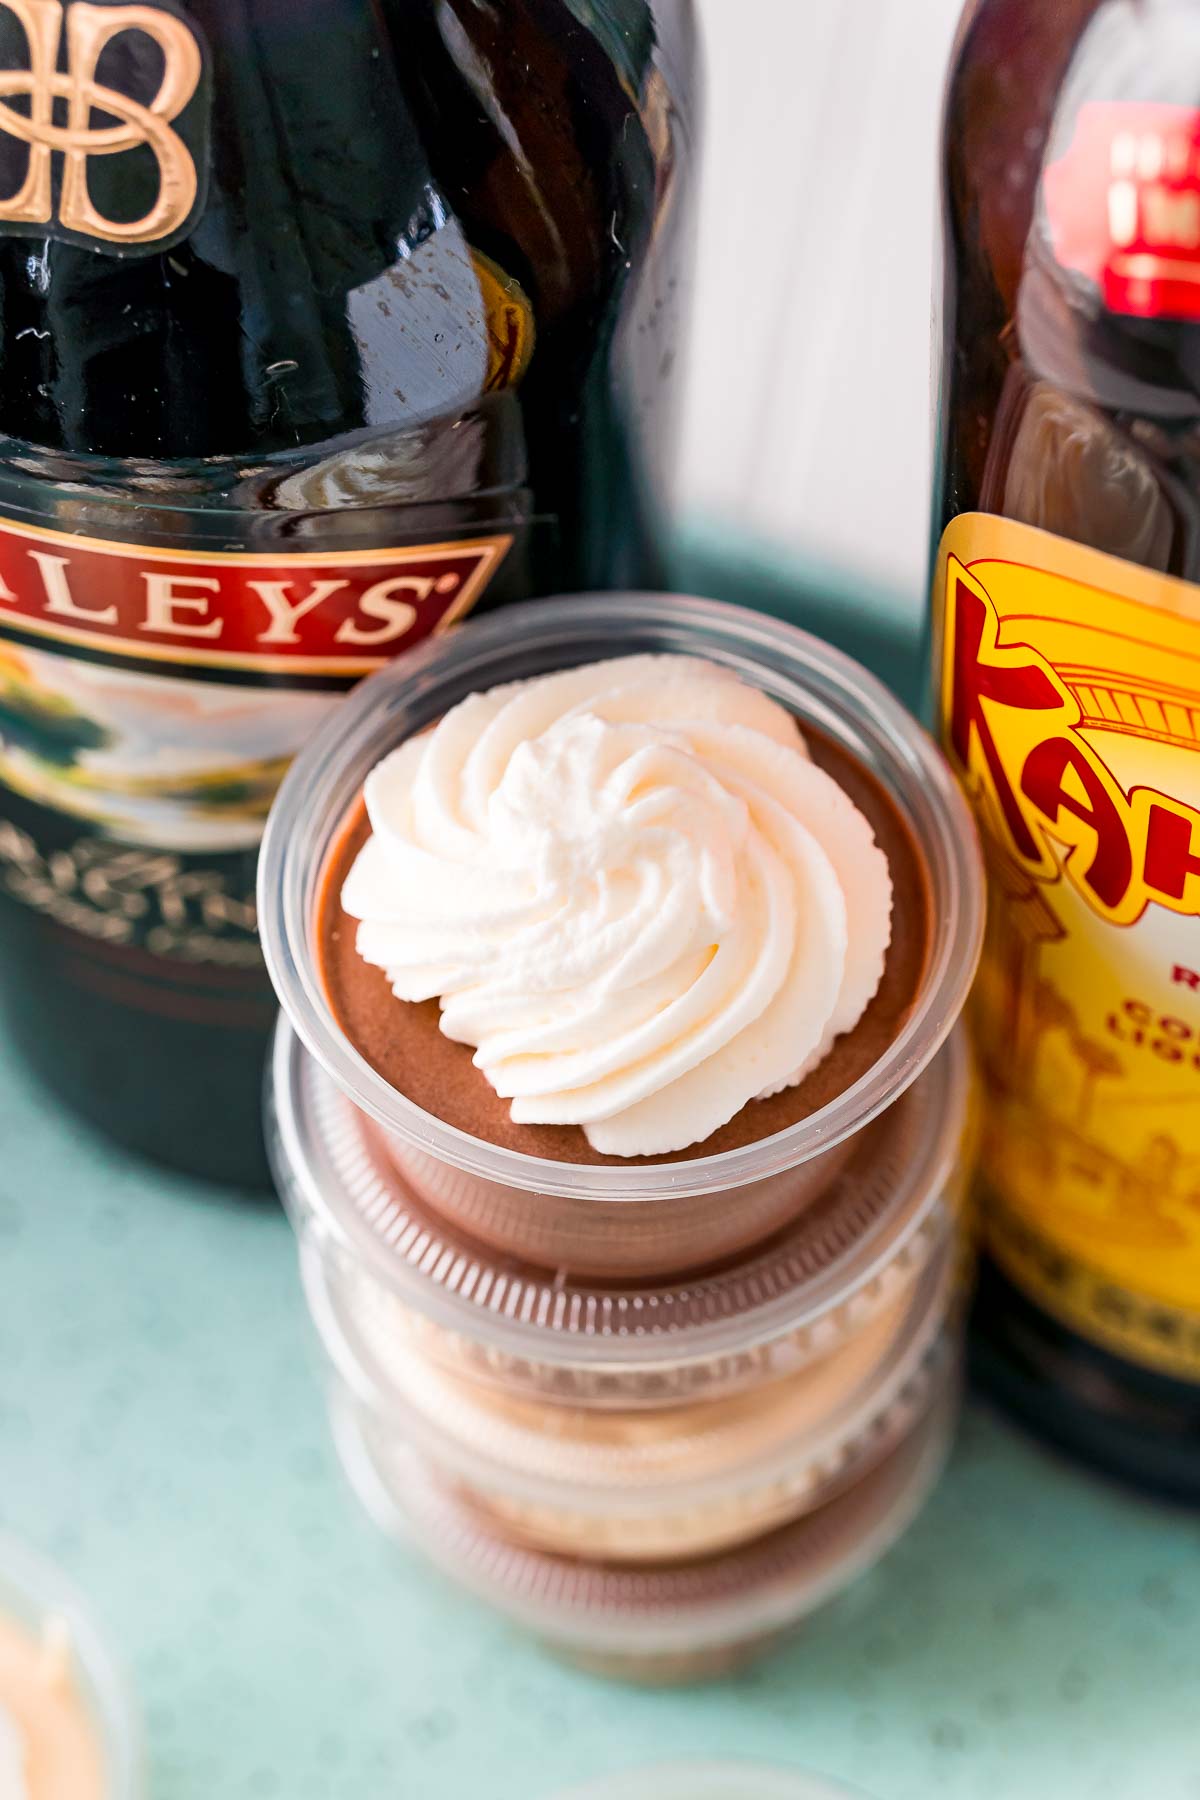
1044 777
975 681
1043 780
1182 977
1171 852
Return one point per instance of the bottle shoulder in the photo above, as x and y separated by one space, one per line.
1070 398
396 199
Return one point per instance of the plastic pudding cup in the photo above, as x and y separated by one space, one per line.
394 1278
685 1483
659 1624
644 1219
36 1597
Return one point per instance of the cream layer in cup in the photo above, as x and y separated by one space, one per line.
540 1191
658 1623
672 1482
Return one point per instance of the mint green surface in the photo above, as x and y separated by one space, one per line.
162 1436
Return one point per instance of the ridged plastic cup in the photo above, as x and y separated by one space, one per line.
658 1624
400 1278
644 1219
663 1486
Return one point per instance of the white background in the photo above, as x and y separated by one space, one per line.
807 417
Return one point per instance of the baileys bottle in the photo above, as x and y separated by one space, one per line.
323 324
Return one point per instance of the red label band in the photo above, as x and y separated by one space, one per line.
306 614
1123 206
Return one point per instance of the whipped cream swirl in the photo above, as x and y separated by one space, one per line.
631 891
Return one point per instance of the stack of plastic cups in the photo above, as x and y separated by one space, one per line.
656 1413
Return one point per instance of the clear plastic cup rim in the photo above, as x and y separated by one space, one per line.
769 1295
887 1397
819 684
557 1518
746 1592
35 1592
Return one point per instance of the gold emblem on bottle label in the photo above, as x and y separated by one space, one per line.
83 32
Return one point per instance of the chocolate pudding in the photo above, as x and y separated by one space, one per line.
403 1042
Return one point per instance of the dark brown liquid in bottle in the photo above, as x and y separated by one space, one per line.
1066 416
427 291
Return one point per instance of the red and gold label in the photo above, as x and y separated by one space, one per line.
323 613
151 700
1070 707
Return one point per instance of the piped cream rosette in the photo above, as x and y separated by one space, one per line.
633 893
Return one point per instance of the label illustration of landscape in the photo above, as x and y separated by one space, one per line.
159 695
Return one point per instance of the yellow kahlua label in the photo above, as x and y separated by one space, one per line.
1070 708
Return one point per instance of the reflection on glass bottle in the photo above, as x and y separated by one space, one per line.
1067 623
365 320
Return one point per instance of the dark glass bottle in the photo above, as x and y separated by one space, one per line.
322 322
1067 622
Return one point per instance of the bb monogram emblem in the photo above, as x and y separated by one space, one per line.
67 110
